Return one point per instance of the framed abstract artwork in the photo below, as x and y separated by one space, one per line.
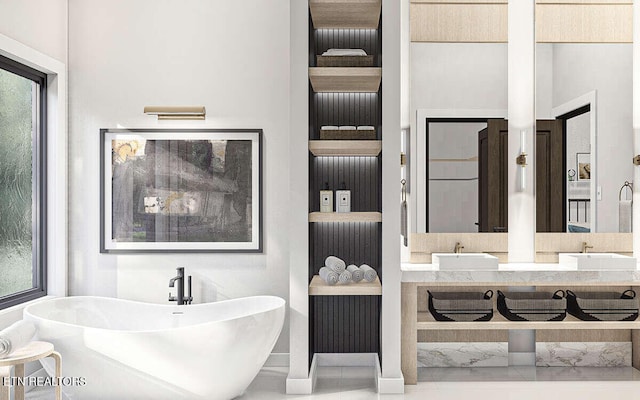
181 190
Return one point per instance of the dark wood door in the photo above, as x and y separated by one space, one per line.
550 204
492 176
483 176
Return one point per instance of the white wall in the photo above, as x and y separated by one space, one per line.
606 68
230 56
39 24
458 76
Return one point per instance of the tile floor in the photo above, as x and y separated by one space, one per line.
516 383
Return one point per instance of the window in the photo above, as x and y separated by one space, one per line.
22 183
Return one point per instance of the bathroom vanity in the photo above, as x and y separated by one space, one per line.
419 326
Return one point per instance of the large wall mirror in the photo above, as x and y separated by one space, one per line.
459 92
584 140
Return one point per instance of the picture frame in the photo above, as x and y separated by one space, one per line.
181 190
583 166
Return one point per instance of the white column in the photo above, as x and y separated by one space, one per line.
522 117
298 381
636 127
391 380
521 114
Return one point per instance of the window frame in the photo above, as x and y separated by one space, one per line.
39 189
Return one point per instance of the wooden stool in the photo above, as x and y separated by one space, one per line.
31 352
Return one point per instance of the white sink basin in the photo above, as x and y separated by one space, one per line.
464 261
597 261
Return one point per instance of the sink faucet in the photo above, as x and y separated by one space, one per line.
458 248
180 297
585 247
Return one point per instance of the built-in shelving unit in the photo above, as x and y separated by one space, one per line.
340 14
318 287
344 148
345 79
345 318
345 217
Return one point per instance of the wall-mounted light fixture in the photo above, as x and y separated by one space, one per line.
176 112
521 160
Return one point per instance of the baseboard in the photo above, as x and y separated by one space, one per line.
522 359
304 385
388 385
277 360
347 359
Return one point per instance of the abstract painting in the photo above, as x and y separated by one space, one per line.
183 190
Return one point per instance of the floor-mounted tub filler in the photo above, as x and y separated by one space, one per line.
132 350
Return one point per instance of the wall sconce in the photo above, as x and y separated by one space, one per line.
176 112
521 160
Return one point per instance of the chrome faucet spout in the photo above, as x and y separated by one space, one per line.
179 298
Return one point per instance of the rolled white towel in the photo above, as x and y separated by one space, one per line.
366 128
347 128
329 276
370 274
356 273
345 276
15 336
329 128
336 264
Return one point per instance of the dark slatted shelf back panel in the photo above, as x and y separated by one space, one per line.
354 242
366 39
360 175
345 324
343 109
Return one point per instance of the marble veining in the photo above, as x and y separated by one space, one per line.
463 354
508 273
583 354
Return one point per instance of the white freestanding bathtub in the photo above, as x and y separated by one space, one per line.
131 350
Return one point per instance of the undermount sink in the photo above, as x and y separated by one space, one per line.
464 261
597 261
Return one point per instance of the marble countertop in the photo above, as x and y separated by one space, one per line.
519 274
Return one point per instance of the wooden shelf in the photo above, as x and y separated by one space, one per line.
470 159
345 148
345 79
337 14
318 287
427 322
345 217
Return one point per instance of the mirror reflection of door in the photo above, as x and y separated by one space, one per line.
492 160
468 186
576 124
550 187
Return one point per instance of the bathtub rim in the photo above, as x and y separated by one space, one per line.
281 303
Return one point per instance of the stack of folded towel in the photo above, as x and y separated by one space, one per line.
345 52
336 270
347 128
16 336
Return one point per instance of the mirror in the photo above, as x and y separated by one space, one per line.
584 143
459 94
